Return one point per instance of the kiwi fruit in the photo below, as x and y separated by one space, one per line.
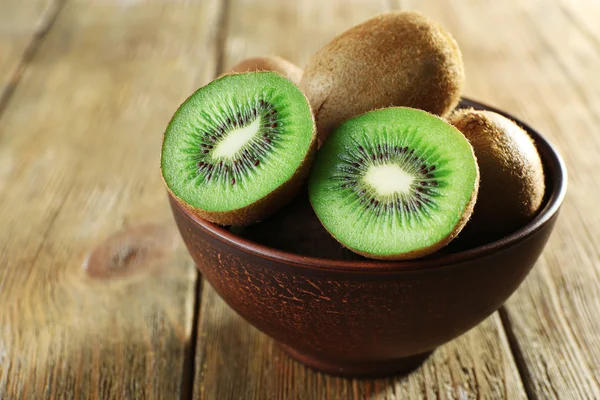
512 175
239 148
395 183
394 59
270 63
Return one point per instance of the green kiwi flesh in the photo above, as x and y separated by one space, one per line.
395 183
239 147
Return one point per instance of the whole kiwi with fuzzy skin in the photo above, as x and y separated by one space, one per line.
270 63
394 59
512 176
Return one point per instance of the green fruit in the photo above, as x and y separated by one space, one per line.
394 59
396 183
512 175
239 148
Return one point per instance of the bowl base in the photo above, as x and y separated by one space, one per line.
373 369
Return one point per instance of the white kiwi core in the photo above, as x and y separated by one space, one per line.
236 140
388 179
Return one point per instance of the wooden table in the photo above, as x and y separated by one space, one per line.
98 298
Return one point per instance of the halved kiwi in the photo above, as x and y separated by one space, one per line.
396 183
239 148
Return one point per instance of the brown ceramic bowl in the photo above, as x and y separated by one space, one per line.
346 315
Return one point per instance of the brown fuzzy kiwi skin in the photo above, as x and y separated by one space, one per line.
394 59
270 63
512 175
422 252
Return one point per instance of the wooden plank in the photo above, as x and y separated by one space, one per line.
582 15
233 359
22 24
96 289
543 67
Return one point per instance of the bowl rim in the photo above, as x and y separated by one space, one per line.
555 169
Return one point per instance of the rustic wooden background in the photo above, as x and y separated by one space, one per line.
98 298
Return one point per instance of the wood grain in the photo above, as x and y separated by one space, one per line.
96 288
22 25
543 68
234 360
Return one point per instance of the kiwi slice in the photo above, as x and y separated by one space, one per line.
396 183
239 148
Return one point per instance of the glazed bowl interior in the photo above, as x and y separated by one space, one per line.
556 183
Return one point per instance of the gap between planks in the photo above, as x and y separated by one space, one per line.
189 360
